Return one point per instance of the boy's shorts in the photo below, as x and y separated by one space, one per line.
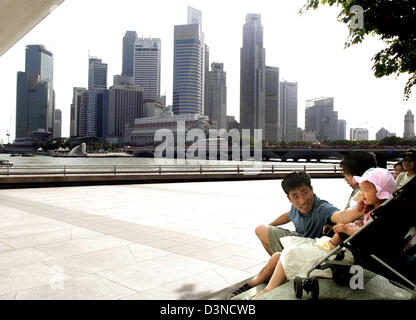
275 233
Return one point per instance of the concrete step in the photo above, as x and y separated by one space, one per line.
376 287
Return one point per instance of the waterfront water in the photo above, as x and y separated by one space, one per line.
40 160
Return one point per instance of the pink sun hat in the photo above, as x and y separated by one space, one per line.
382 179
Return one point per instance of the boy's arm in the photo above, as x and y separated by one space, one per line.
348 215
345 228
282 219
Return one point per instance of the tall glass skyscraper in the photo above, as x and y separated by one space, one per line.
189 66
97 83
146 70
128 53
252 76
35 95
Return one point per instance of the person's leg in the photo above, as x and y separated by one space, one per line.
263 275
276 280
262 233
266 272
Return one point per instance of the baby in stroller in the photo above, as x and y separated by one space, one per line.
377 185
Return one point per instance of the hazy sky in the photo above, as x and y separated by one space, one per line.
307 48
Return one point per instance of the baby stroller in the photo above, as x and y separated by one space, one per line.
382 245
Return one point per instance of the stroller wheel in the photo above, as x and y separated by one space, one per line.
315 288
341 276
297 285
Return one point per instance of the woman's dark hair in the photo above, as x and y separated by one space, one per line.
294 180
356 163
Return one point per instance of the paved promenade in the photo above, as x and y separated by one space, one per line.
154 241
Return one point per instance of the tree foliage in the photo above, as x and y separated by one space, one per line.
394 21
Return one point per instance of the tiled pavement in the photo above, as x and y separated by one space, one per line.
156 241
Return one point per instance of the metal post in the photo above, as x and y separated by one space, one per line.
64 170
160 169
272 168
238 169
115 170
200 169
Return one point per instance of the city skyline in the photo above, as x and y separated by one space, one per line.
308 49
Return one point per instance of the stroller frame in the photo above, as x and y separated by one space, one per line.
310 284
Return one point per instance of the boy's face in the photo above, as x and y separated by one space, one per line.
368 193
302 198
350 180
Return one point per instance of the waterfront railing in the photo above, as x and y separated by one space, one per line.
160 169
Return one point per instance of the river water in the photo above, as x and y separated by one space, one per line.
40 160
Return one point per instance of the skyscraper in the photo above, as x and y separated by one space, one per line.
321 118
252 76
57 124
146 69
216 95
272 113
188 66
75 111
342 129
409 125
35 95
97 83
122 104
129 40
289 110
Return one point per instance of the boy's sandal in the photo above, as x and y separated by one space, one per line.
243 288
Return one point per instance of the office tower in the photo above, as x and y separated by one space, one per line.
272 114
409 125
189 66
383 133
34 93
57 124
342 129
83 114
129 40
252 76
123 80
206 71
289 110
321 118
358 134
75 111
121 106
97 83
216 96
146 69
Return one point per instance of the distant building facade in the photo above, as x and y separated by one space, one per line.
383 133
57 124
146 70
321 118
216 96
35 97
121 106
409 125
97 83
252 76
358 134
289 110
272 113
